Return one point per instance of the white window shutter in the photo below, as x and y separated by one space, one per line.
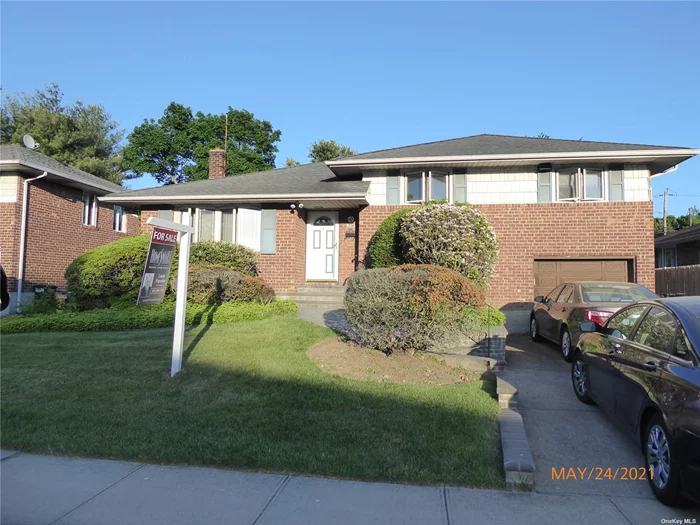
248 228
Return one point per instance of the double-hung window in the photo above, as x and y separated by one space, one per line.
575 184
89 209
119 220
424 186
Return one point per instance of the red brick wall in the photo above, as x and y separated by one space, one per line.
146 229
10 216
347 244
560 230
286 269
56 236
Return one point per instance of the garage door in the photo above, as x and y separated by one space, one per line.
550 273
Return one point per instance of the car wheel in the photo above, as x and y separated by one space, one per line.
579 378
534 330
566 350
662 465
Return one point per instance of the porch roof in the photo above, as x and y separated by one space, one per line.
306 183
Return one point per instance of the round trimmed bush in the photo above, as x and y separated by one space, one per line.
109 271
226 254
412 307
217 284
458 237
384 247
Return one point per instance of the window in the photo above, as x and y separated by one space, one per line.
431 185
681 348
89 210
119 219
228 225
621 323
566 293
552 296
206 225
617 183
668 257
544 187
614 293
566 185
593 184
414 187
657 330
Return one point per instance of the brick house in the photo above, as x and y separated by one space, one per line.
62 219
561 209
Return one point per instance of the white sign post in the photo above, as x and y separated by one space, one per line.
183 267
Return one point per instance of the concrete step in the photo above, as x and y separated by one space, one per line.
311 297
327 290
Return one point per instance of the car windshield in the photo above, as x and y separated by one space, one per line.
614 293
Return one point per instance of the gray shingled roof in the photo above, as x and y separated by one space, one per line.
39 161
307 179
501 145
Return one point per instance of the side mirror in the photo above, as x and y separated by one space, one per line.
539 299
588 326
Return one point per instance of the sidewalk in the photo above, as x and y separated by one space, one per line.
48 489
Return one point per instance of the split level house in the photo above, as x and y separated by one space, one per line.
50 214
561 209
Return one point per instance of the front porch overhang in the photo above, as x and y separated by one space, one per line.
310 201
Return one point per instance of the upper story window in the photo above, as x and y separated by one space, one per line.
119 219
581 184
422 186
89 209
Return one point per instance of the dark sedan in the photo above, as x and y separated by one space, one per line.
557 315
641 367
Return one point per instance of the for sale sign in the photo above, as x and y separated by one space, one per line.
155 275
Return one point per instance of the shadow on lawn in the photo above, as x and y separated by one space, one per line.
196 323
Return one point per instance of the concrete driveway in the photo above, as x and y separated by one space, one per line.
564 432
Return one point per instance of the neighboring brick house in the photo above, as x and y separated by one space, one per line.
561 209
63 219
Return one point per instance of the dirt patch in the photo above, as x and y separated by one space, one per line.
355 362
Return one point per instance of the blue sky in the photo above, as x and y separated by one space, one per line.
381 75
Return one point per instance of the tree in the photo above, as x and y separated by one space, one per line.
290 163
175 148
81 135
322 150
677 222
542 136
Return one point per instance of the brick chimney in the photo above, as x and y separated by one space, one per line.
217 163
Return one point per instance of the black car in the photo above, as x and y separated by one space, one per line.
642 368
4 294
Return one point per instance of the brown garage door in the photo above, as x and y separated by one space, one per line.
551 273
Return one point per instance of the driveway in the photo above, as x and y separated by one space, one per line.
564 432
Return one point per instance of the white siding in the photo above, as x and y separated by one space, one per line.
8 188
636 184
377 187
501 186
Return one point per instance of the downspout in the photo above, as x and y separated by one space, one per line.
23 236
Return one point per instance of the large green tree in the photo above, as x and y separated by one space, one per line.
322 150
678 222
175 148
79 134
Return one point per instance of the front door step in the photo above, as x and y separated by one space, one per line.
310 296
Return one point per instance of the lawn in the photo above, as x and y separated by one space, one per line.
249 398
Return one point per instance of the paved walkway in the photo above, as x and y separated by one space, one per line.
45 490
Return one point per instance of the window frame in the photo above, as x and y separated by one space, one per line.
645 308
414 174
580 192
583 174
119 219
89 210
426 176
429 185
633 333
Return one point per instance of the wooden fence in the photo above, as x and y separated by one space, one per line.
681 280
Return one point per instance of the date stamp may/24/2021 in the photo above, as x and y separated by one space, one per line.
602 473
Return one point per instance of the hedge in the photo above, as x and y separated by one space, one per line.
140 317
384 248
497 318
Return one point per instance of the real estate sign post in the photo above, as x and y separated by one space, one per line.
154 281
182 275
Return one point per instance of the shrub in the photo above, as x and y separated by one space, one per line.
412 307
385 245
497 318
46 303
226 254
458 237
111 274
140 317
217 284
109 271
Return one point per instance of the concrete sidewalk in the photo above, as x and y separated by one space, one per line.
49 489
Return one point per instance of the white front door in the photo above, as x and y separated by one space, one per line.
322 245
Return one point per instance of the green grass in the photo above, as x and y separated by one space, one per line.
248 398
